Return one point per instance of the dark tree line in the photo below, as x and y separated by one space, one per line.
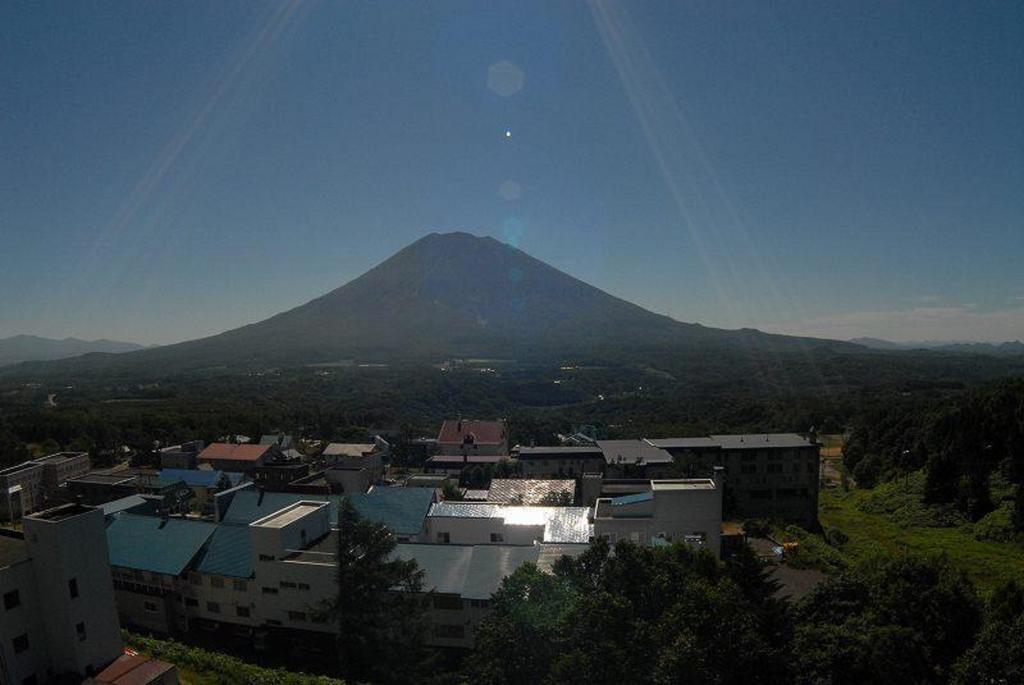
962 442
670 615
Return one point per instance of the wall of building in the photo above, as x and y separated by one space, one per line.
480 531
220 598
76 590
22 619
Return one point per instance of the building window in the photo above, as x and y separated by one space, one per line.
266 557
774 468
450 631
444 538
12 599
748 468
149 606
240 585
303 586
191 602
297 616
73 587
20 643
497 537
447 602
216 582
213 607
269 590
288 584
80 631
242 611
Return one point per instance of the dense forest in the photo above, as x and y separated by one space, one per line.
665 395
970 448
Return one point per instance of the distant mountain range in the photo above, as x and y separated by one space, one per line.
22 348
452 295
1007 349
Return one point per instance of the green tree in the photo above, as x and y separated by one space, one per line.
886 620
377 606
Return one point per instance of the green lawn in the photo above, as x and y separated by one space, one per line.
987 563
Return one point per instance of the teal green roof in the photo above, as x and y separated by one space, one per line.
633 499
151 543
401 510
229 552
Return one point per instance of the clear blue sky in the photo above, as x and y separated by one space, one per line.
171 170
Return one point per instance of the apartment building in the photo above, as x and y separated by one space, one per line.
21 490
60 467
677 510
58 617
559 461
769 475
183 456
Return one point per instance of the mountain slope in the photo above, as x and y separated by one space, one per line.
21 348
452 295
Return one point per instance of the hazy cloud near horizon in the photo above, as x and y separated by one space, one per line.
954 322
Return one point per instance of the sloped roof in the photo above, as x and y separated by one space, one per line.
347 449
201 478
140 504
226 451
753 441
531 491
633 452
683 443
561 524
483 432
133 669
476 572
229 552
402 510
632 499
151 543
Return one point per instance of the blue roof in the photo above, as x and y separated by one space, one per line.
152 543
200 478
633 499
229 552
137 503
402 510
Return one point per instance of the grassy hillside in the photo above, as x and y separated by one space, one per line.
203 667
871 529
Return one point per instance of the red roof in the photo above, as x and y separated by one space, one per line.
223 451
133 669
455 431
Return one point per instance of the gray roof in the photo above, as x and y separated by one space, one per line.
633 452
561 524
683 443
755 441
346 449
476 572
557 450
531 491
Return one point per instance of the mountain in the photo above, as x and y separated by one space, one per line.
451 295
21 348
1004 349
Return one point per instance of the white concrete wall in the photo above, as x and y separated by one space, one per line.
24 619
75 548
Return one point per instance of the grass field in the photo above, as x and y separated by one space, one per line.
987 563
